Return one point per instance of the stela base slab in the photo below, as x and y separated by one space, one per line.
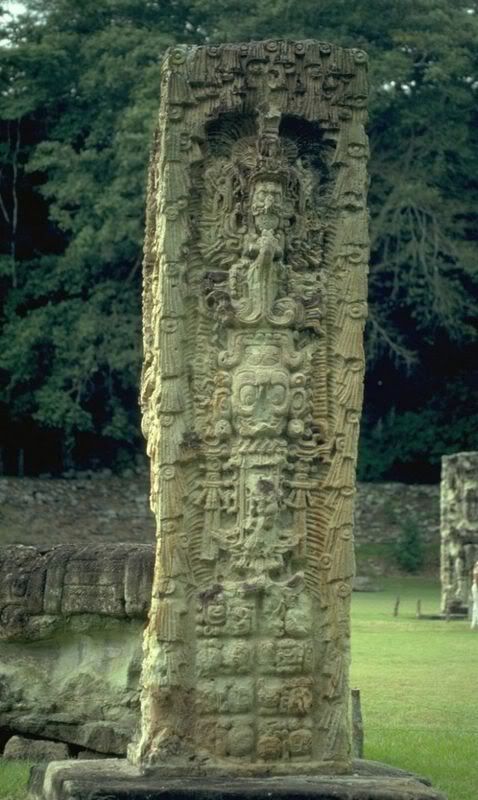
113 779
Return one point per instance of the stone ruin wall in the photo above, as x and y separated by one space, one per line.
459 529
71 620
254 306
105 509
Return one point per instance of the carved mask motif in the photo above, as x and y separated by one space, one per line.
260 401
266 206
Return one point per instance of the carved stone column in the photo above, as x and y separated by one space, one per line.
254 307
459 529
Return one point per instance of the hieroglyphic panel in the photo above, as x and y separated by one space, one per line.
254 306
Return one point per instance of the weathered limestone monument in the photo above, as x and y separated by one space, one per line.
254 308
459 529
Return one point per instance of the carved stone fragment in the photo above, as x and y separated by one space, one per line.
36 750
254 306
459 529
42 587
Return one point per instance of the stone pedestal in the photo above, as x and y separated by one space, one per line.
459 530
118 780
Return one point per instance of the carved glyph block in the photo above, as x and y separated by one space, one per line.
254 306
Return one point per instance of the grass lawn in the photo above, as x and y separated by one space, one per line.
419 686
13 779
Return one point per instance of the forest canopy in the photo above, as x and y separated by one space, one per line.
79 88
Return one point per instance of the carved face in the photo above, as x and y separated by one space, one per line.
330 85
357 310
297 622
269 747
300 700
314 76
260 401
208 658
354 253
266 207
240 620
216 613
276 77
240 740
238 656
240 699
254 71
357 149
289 655
358 100
300 742
353 200
268 697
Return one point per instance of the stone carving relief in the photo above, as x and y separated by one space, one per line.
41 587
459 529
254 306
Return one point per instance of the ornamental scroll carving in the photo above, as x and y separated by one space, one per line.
254 306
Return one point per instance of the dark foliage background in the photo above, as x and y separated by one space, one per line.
79 92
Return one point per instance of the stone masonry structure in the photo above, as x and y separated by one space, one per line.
459 529
116 509
254 307
71 620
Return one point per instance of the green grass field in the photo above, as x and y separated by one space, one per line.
419 688
13 780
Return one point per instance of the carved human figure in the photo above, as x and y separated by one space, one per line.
259 278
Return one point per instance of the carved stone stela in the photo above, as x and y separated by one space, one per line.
459 529
254 307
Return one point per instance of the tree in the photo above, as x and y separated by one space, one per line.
421 335
80 88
